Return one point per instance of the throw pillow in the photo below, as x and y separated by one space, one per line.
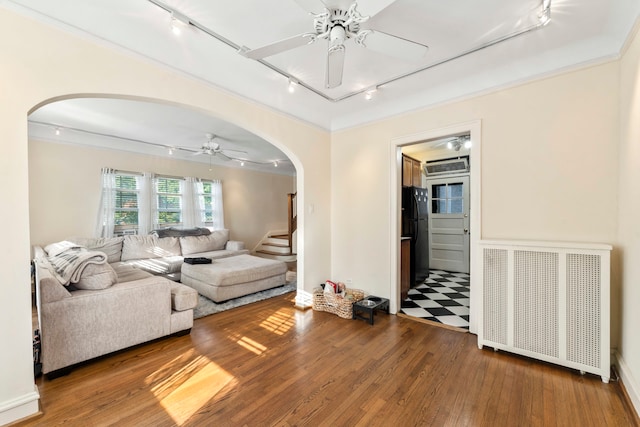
111 246
149 246
196 244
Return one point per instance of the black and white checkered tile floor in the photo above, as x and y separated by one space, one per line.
443 297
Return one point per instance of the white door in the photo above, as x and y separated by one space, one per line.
449 223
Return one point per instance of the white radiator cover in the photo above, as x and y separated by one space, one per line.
549 301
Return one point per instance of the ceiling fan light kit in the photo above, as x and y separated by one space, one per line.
338 21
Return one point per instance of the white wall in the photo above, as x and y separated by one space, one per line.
64 191
39 64
629 220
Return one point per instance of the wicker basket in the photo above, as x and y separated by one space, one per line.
336 304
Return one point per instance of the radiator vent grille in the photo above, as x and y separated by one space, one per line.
583 309
548 301
536 301
495 294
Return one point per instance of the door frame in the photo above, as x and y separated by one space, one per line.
474 128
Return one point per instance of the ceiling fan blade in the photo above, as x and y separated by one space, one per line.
236 151
224 156
278 47
395 46
338 4
373 7
335 65
312 6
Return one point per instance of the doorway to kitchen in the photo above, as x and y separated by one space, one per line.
443 195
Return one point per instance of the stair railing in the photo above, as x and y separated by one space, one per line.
293 219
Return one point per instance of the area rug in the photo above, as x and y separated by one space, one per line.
206 307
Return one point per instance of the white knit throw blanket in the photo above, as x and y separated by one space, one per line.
69 260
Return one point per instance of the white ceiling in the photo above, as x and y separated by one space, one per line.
580 32
154 129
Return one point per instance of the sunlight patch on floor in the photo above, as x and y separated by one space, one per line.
251 345
278 323
184 391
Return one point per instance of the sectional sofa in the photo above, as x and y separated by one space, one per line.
127 294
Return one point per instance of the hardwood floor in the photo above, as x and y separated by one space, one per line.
270 364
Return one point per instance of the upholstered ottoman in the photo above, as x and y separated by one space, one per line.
233 277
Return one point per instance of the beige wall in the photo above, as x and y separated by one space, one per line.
549 160
629 219
64 191
39 64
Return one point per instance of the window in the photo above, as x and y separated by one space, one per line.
169 193
206 203
127 190
447 198
133 203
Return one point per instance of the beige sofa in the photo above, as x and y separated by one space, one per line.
81 324
124 301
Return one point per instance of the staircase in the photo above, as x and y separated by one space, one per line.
279 244
276 246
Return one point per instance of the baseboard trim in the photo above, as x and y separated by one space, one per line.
20 408
304 299
628 383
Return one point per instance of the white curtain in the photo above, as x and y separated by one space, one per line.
192 203
107 209
147 203
217 207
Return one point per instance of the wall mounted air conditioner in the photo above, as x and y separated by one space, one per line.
449 166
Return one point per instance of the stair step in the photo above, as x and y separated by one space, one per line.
275 255
280 236
276 249
262 251
275 241
277 244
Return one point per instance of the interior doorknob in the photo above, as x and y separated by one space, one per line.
466 231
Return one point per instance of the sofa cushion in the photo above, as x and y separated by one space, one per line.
183 297
149 246
213 242
128 273
163 265
96 276
111 246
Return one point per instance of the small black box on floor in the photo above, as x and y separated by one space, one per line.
369 306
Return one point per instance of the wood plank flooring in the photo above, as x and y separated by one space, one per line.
269 364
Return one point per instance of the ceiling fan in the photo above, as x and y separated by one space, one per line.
339 22
212 148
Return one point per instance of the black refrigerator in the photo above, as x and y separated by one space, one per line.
415 224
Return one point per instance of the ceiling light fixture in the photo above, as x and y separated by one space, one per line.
57 131
275 164
178 21
368 95
171 151
459 142
292 85
545 16
242 163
